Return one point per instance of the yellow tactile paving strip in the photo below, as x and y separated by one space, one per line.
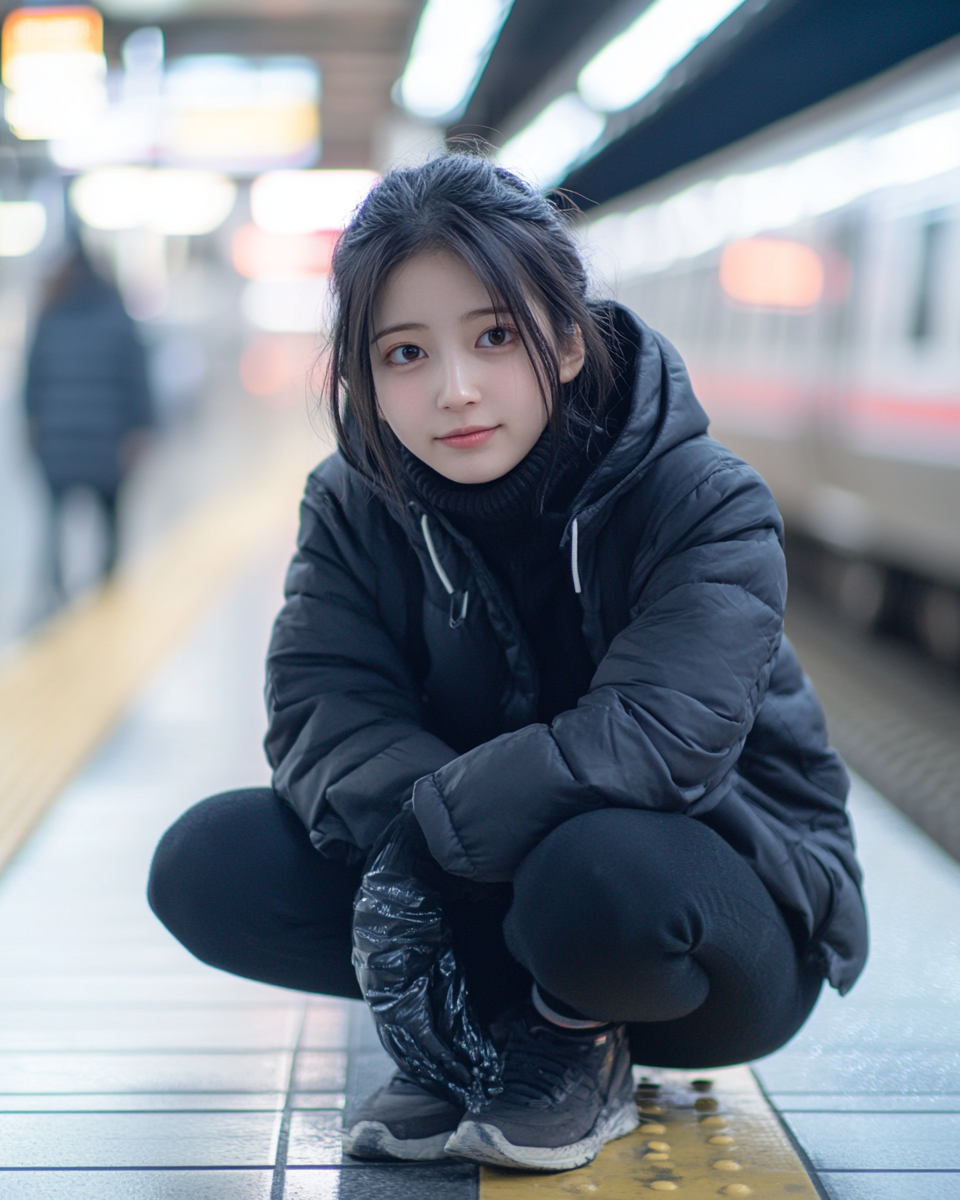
63 690
694 1142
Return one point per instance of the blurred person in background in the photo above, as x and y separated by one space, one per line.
88 401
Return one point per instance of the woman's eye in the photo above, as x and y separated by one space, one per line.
496 337
404 354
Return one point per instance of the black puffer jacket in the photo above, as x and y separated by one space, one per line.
398 661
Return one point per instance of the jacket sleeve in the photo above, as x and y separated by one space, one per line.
669 707
345 733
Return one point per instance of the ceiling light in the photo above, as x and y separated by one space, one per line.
170 202
307 201
450 48
632 65
554 140
189 203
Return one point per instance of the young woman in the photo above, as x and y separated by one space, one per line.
534 598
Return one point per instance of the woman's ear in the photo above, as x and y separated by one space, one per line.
572 354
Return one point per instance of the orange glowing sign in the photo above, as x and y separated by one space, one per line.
766 272
260 255
42 31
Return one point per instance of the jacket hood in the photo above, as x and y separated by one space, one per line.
663 412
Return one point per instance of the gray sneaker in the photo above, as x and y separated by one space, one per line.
564 1096
401 1120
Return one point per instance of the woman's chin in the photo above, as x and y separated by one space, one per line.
473 466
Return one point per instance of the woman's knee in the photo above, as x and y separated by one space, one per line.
617 873
606 913
202 864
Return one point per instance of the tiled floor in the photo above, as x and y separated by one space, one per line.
871 1086
129 1070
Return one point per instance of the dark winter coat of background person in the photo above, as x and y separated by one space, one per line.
86 389
398 661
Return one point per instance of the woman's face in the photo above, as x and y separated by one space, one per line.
452 377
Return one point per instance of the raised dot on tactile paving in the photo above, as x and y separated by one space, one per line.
726 1164
656 1156
720 1139
705 1104
652 1127
737 1189
663 1185
713 1122
647 1107
658 1145
701 1085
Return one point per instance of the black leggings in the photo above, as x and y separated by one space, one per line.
644 917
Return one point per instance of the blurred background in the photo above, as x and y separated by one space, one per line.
775 184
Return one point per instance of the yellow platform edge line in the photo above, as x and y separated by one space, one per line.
63 690
695 1142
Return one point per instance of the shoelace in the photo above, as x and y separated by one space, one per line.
537 1068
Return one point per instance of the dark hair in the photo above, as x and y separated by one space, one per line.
520 247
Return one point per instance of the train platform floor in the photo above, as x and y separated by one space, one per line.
128 1069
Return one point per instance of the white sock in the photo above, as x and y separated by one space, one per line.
556 1018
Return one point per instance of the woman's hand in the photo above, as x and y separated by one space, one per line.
404 961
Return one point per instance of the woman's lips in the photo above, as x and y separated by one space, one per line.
473 435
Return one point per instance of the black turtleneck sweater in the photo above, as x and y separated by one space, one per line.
516 522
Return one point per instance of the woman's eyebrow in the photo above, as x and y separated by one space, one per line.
483 312
403 325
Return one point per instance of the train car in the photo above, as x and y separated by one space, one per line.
810 276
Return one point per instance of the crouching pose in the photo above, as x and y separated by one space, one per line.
530 703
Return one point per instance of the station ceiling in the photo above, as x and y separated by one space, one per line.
359 45
769 60
772 58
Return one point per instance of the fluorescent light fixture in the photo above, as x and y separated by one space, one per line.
716 211
632 65
189 203
544 150
22 226
285 305
307 201
168 202
450 47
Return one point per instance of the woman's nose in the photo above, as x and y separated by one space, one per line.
457 387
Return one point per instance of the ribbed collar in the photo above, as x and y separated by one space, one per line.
513 496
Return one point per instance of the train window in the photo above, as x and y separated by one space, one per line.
843 257
933 236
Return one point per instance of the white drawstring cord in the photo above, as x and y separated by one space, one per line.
574 550
455 618
432 551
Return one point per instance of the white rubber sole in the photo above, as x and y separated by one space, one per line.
372 1139
486 1144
